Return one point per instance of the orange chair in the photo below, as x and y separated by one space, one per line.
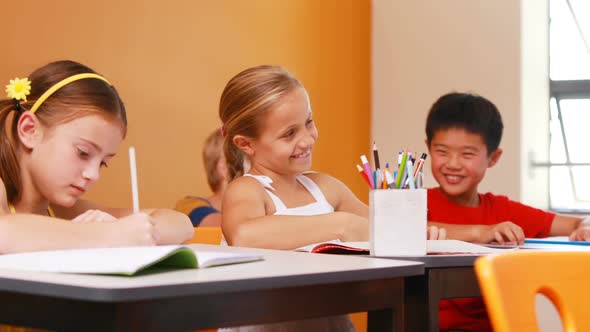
206 235
509 283
359 320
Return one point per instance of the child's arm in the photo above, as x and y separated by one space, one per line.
172 226
504 232
211 220
246 223
339 195
570 226
29 232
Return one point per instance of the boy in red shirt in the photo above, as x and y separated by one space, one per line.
463 133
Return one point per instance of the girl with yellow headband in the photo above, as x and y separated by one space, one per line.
58 128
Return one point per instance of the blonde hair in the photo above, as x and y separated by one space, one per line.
245 99
212 153
72 101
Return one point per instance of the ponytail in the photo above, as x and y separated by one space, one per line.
9 167
234 159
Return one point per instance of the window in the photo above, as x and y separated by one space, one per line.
569 70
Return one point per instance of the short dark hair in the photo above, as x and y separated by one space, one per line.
471 112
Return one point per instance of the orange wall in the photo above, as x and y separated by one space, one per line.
170 62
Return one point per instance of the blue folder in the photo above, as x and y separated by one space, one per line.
556 241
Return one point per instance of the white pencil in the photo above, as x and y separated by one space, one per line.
134 192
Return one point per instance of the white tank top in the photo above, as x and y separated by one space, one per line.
339 323
320 206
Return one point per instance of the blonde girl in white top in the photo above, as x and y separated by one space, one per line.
267 119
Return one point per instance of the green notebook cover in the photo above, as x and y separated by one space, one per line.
126 261
181 258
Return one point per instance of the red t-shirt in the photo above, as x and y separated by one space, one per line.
469 313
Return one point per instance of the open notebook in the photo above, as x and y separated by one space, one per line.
122 261
434 247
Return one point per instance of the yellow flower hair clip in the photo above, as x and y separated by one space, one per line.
18 89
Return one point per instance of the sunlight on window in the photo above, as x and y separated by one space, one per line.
576 117
569 149
556 147
567 194
569 58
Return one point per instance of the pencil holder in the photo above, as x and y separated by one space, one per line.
397 222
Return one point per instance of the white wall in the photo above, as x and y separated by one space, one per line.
534 84
423 49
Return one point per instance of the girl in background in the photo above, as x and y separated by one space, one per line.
205 211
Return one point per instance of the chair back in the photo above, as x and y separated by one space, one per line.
206 235
510 282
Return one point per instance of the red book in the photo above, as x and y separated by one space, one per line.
340 249
434 247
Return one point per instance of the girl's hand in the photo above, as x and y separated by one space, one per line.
504 232
436 233
582 233
136 229
94 216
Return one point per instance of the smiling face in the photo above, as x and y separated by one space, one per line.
287 136
66 161
459 162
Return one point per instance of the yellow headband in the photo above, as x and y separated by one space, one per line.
61 84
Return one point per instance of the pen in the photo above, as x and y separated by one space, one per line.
364 175
420 164
376 156
402 171
410 171
367 168
375 181
390 180
420 180
133 169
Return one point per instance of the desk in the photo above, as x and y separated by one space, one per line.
445 277
285 286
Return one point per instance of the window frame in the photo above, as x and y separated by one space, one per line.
564 90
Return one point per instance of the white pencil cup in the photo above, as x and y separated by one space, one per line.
397 222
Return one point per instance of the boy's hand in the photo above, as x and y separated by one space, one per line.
582 233
436 233
505 233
